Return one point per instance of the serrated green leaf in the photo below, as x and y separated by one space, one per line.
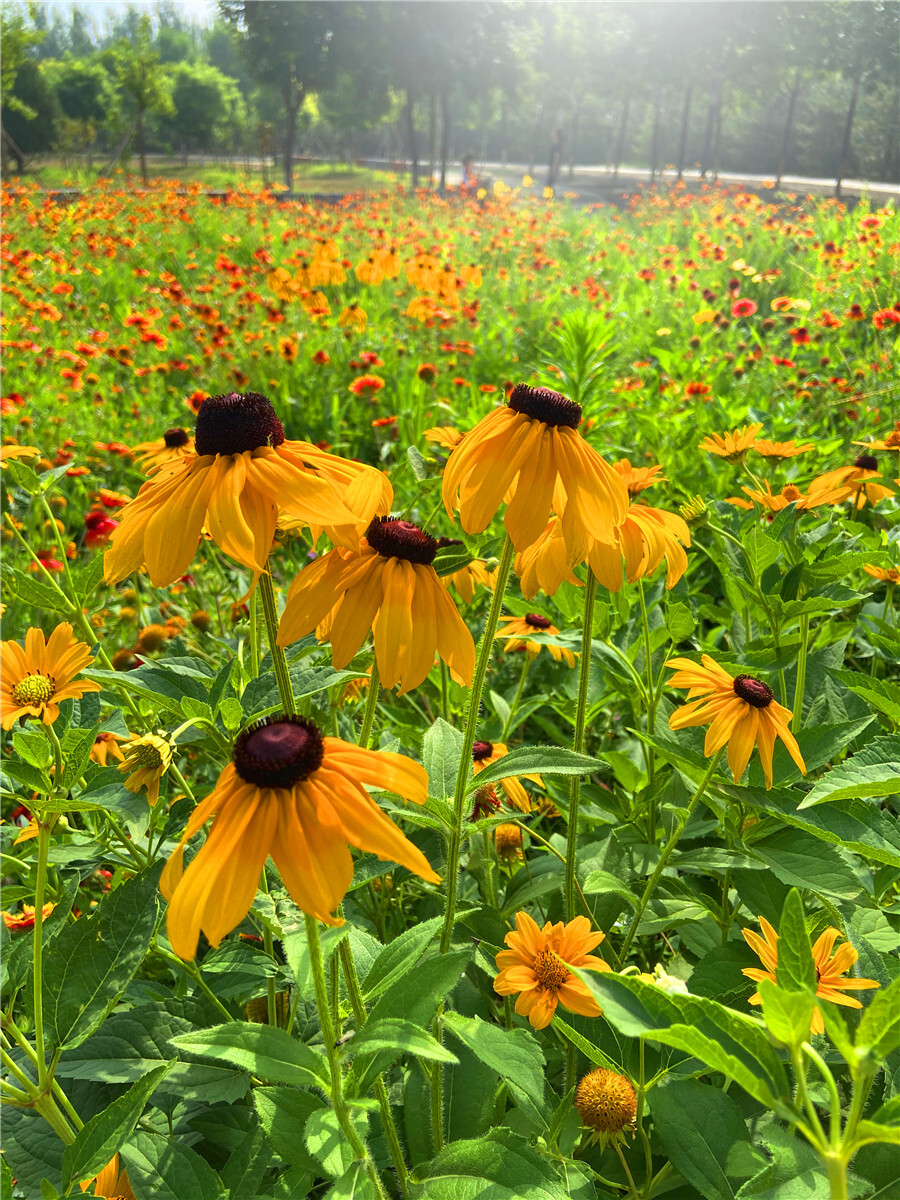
795 970
787 1014
699 1127
530 760
263 1050
441 749
392 1033
514 1054
871 773
162 1168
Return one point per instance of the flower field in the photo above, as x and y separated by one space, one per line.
450 698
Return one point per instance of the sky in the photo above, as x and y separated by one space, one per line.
200 11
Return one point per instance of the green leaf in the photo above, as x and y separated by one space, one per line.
450 559
262 1050
76 747
880 694
679 621
871 773
261 695
761 551
33 778
801 860
243 1173
86 578
283 1113
514 1054
327 1143
441 750
528 760
34 748
591 1052
699 1126
603 883
29 590
796 970
164 687
95 958
879 1029
162 1168
355 1183
787 1014
726 1041
499 1166
103 1135
392 1033
398 957
433 981
32 1149
871 1131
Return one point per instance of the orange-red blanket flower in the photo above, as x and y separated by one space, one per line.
535 967
301 798
741 713
830 968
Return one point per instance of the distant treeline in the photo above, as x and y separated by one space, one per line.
774 88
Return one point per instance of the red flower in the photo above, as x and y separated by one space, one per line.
743 308
885 317
366 385
427 372
800 336
321 358
97 528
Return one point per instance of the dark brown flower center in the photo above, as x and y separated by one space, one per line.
545 405
536 621
893 440
754 691
482 750
393 538
176 437
867 462
278 751
235 422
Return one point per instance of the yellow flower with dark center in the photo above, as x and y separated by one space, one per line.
242 474
777 451
733 447
606 1103
644 539
831 969
486 753
638 479
301 798
387 585
174 445
544 565
147 758
535 967
35 680
741 713
519 633
857 482
530 452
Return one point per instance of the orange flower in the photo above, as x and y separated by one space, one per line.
536 965
25 919
733 446
35 680
485 753
522 630
779 450
829 968
366 385
638 479
888 575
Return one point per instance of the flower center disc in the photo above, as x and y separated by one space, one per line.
791 493
235 422
176 437
893 440
278 752
536 621
543 404
549 970
606 1101
754 691
482 750
393 538
867 462
148 756
34 690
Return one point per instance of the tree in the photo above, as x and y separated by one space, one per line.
22 91
206 107
143 83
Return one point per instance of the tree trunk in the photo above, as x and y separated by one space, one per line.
293 98
788 130
712 123
538 122
848 130
432 135
445 138
685 124
411 136
141 148
576 110
620 145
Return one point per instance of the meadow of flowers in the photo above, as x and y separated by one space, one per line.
450 698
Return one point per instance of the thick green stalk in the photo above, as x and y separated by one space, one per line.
584 677
666 855
282 674
797 719
365 734
44 832
357 1145
464 772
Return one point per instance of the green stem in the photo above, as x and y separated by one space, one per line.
526 663
490 890
666 855
797 719
465 763
193 973
584 677
9 1063
269 947
651 683
834 1098
365 734
799 1064
357 1145
254 633
837 1175
44 832
282 674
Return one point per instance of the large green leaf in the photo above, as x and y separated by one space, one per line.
394 1034
283 1113
801 860
416 998
699 1126
263 1050
871 773
726 1041
499 1166
545 760
514 1054
160 1168
796 970
95 957
441 750
879 1029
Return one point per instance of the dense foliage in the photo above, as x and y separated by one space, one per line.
545 982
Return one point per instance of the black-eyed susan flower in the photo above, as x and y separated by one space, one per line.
301 798
145 761
530 453
859 483
831 969
486 753
544 565
174 445
741 713
36 678
734 446
535 967
242 474
519 632
643 540
607 1104
387 585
